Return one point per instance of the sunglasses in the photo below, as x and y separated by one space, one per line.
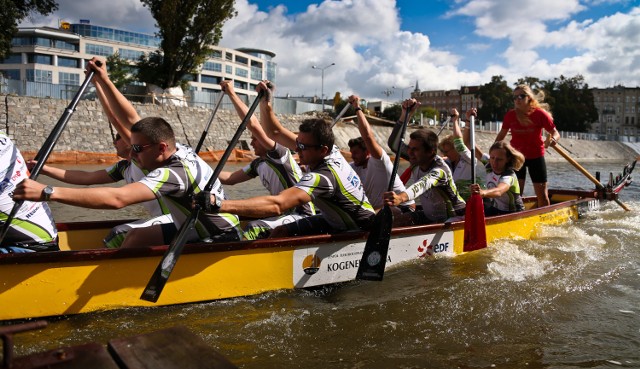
139 148
302 147
520 97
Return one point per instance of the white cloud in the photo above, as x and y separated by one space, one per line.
372 53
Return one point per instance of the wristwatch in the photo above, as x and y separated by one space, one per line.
47 192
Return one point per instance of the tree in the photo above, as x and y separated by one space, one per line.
496 99
571 103
120 71
187 28
13 12
392 112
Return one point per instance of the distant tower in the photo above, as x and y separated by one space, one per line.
416 92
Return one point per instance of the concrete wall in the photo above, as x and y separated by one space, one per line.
28 121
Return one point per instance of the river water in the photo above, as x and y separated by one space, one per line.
568 299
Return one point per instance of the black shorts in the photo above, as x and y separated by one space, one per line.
537 170
317 224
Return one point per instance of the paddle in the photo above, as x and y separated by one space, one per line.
475 233
160 276
599 185
374 256
206 130
444 124
47 147
339 116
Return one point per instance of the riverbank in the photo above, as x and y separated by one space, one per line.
88 137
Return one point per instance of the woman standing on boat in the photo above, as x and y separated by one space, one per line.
526 122
503 189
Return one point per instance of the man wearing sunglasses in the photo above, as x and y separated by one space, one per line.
171 174
331 183
275 166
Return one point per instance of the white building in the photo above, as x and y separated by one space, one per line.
58 56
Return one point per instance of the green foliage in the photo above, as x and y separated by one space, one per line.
12 12
496 99
187 29
120 71
392 112
571 103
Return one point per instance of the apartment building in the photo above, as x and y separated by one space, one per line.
618 111
443 100
58 56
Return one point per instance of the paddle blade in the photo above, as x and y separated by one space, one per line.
475 234
161 275
374 257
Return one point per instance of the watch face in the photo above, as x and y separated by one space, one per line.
48 190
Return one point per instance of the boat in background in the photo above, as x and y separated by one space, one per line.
84 277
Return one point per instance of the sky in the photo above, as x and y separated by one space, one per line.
382 48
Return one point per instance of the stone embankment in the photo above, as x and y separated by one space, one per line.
88 137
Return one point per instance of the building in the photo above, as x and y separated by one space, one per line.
618 112
58 56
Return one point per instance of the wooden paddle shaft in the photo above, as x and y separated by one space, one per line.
586 173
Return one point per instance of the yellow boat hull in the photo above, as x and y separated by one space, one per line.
85 279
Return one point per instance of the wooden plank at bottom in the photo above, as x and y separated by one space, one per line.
90 355
175 347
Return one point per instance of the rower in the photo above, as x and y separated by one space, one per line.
431 180
331 183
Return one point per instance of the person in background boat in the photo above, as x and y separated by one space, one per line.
502 193
371 162
458 156
331 183
526 122
171 176
275 166
32 228
431 179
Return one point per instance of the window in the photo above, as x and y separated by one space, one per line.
65 78
242 72
59 44
238 84
228 69
11 73
212 66
256 73
13 59
210 79
242 60
68 62
216 54
129 54
40 59
93 49
38 75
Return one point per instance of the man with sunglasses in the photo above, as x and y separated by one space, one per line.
275 166
331 183
124 169
172 174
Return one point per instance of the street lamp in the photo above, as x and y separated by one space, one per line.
387 92
401 89
322 86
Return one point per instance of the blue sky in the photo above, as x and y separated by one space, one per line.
442 44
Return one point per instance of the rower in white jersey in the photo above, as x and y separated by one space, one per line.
331 183
275 166
32 228
372 163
